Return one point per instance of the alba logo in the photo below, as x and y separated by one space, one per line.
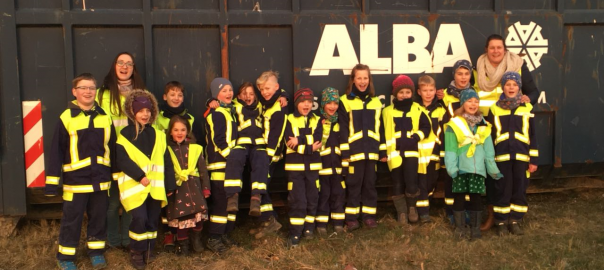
527 40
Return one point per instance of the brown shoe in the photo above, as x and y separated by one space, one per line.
370 223
487 224
233 203
272 226
255 205
413 216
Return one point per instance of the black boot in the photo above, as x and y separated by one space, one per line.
400 203
183 247
502 227
475 220
515 228
460 224
195 239
136 259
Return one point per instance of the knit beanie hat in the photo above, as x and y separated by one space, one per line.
462 63
402 81
511 75
303 94
329 94
140 103
467 94
217 85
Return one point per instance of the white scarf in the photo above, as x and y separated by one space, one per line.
489 76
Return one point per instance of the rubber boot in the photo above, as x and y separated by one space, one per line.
413 216
183 247
233 203
502 228
460 224
475 217
490 221
255 205
515 227
195 239
400 203
136 259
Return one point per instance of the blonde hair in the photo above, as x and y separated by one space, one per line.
425 80
265 76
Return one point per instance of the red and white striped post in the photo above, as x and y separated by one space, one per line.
33 143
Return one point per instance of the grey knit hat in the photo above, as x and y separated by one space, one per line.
217 85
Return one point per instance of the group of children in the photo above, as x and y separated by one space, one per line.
330 159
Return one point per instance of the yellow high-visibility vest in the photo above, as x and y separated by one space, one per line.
181 175
395 159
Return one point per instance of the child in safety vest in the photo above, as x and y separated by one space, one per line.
174 93
516 153
82 151
147 177
221 136
430 147
469 156
332 196
405 125
187 209
302 164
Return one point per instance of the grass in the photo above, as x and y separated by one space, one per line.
563 231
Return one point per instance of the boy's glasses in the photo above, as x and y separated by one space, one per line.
90 88
122 63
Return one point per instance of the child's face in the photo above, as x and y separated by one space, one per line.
269 88
404 93
174 97
247 95
179 132
331 108
143 116
304 107
361 80
84 93
226 94
510 89
462 78
124 66
471 106
427 92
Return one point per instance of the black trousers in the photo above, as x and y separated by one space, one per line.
510 191
405 178
221 221
95 206
460 204
266 204
259 163
145 221
426 184
360 187
302 200
332 198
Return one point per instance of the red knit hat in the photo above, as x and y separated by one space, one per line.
303 94
402 81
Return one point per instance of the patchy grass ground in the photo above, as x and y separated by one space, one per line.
563 231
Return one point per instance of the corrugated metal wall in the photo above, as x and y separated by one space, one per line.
45 43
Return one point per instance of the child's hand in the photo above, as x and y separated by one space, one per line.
384 159
440 93
214 104
292 142
283 101
316 146
206 193
532 168
145 182
525 99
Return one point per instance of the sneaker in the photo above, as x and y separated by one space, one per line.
425 219
136 259
308 234
370 223
338 229
352 225
322 231
233 203
169 243
502 228
98 262
272 225
67 265
255 205
293 242
216 246
515 228
228 241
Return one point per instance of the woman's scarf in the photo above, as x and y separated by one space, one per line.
490 76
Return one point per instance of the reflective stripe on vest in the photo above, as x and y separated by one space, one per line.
465 136
391 135
356 104
487 99
521 111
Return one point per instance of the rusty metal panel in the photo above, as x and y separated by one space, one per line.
255 5
107 4
574 4
330 5
519 5
50 4
468 5
96 47
400 5
186 4
583 104
193 66
253 50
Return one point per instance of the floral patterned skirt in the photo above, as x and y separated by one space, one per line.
189 221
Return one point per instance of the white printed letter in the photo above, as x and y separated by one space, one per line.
369 50
448 35
402 48
334 36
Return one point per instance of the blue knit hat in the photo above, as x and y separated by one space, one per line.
462 63
511 75
467 94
